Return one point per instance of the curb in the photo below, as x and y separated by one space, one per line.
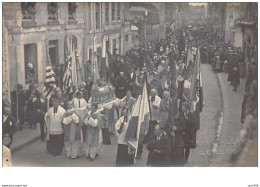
225 119
29 142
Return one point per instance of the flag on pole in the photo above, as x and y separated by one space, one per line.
187 74
67 78
196 93
139 120
49 84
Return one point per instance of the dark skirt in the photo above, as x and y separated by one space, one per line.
122 156
55 144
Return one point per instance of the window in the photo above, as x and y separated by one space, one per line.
30 63
97 6
52 11
54 52
126 37
28 11
89 17
72 11
118 12
113 11
107 13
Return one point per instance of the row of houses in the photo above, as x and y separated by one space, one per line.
36 32
239 24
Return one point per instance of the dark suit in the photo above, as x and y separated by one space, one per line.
131 81
21 98
40 109
158 150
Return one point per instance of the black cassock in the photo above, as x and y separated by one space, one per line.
123 158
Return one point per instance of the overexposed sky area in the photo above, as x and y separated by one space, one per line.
198 4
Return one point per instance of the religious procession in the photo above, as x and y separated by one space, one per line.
154 105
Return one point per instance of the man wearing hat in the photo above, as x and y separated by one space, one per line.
8 129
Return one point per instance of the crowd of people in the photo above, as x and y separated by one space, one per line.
161 63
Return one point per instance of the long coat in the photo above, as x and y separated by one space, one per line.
162 145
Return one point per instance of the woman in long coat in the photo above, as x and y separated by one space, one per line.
235 78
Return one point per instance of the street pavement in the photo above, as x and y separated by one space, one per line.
209 118
34 154
230 130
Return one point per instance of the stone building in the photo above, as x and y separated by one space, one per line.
248 23
37 33
38 30
233 34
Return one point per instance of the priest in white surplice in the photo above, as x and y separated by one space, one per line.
55 135
73 135
93 139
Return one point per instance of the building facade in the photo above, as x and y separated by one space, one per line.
37 32
233 34
36 35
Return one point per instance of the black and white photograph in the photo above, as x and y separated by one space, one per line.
130 84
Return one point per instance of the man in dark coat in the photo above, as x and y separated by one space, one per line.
191 126
131 79
158 146
19 97
40 110
235 78
8 129
121 84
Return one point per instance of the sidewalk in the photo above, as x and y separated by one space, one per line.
25 138
230 128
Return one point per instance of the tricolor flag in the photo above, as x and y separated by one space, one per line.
196 91
187 75
67 78
49 84
139 120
